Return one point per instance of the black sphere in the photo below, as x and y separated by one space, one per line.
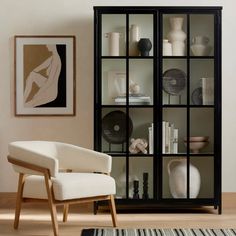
144 46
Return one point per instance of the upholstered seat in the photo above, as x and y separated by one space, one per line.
70 186
62 174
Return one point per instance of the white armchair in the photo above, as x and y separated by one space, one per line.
85 176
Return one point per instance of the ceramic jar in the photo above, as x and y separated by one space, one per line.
144 46
134 38
113 43
166 48
200 46
177 170
177 36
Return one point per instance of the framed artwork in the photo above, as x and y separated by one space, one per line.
45 75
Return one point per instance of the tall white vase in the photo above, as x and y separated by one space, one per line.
177 170
113 43
177 36
134 38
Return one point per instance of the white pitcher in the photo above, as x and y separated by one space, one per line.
177 170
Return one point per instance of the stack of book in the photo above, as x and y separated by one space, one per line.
207 91
134 99
169 138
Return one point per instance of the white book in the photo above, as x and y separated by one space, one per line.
172 127
163 137
169 140
167 137
207 91
175 141
150 140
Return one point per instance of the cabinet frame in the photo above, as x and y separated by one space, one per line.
158 105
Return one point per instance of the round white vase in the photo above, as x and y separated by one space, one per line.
177 36
177 170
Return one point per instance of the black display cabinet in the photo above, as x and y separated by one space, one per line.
157 103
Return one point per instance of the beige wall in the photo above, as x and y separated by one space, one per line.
75 17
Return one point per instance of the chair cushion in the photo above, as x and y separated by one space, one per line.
70 186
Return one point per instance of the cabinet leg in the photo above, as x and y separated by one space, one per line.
95 208
219 209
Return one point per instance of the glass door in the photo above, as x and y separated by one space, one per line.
127 100
187 70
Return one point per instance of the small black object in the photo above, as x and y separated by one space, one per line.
136 189
144 46
145 186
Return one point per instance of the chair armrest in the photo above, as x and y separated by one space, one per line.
25 152
82 159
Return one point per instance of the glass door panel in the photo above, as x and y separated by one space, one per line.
174 81
174 130
201 178
141 81
141 178
114 129
174 34
113 35
201 130
119 173
202 81
113 82
142 119
174 177
202 34
141 27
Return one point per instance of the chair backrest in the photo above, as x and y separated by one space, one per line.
81 159
55 155
40 153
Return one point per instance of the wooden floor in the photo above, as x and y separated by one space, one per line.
35 218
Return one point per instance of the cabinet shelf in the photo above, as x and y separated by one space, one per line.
124 154
124 106
127 57
190 154
186 57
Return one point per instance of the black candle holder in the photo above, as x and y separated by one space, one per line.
145 186
136 189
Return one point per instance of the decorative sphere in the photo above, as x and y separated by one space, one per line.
144 46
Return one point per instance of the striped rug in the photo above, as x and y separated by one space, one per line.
159 232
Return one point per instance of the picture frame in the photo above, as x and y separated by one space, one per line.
44 75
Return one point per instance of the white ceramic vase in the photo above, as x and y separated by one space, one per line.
134 38
177 36
113 43
177 170
200 46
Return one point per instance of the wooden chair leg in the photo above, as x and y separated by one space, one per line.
19 199
52 206
113 210
65 212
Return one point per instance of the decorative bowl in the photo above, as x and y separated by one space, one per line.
197 139
195 147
